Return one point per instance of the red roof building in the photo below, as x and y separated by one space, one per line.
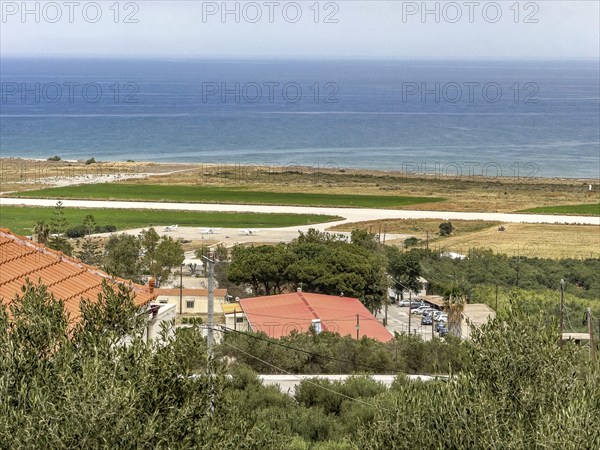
278 315
67 278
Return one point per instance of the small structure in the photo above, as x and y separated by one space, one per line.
424 286
190 301
279 315
159 314
475 314
235 319
435 301
577 337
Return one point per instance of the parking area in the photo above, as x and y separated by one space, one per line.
398 321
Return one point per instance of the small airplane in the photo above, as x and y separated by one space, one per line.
171 227
208 230
248 232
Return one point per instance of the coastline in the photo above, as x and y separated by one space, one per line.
122 170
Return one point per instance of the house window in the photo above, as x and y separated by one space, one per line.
163 301
189 304
239 319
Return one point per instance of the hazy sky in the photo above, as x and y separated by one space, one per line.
345 29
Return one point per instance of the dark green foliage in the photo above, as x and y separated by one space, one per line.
83 388
78 231
405 270
262 267
319 262
90 161
100 385
326 394
90 252
122 256
519 390
485 267
411 242
58 226
329 353
105 229
54 158
60 244
446 228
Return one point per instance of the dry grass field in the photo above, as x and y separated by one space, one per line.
517 239
18 175
531 240
417 227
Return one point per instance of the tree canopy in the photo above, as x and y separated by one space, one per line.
319 262
101 385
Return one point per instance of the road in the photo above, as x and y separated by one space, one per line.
350 214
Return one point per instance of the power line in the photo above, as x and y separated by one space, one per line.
304 351
308 380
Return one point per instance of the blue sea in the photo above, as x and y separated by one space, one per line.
525 118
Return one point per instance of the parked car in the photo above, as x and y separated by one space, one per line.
404 302
443 331
423 310
426 320
440 316
439 326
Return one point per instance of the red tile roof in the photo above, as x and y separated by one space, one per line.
67 278
278 315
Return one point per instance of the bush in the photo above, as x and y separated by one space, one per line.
90 161
411 242
192 320
446 228
54 158
76 232
105 229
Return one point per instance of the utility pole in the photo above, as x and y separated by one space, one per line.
210 326
591 332
409 309
211 306
427 241
562 307
181 289
357 325
385 303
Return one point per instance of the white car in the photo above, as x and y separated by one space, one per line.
404 302
439 315
171 227
421 310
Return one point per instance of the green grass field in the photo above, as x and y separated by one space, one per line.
21 220
589 209
210 194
